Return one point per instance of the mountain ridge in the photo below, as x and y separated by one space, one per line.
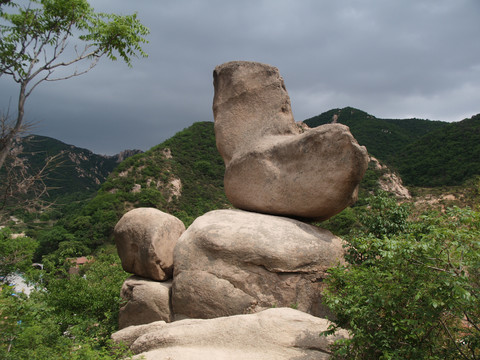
73 167
424 152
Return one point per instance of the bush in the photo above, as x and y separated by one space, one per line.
413 294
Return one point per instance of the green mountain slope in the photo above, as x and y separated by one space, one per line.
447 156
74 169
425 153
384 138
182 176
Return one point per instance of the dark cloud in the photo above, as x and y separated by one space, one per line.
392 59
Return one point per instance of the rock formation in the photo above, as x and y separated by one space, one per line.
232 262
236 272
145 301
145 238
273 334
272 166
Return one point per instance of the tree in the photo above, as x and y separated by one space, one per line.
413 294
68 316
16 253
34 46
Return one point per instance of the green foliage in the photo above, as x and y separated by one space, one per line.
384 138
38 31
448 156
425 153
70 317
412 293
16 253
94 293
384 216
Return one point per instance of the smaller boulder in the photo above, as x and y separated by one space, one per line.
146 301
145 238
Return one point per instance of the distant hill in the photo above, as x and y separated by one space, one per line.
446 156
384 138
75 169
424 152
182 176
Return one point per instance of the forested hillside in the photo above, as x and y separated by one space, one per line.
384 138
424 153
75 314
72 169
182 176
446 156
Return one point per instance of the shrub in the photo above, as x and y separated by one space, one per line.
413 294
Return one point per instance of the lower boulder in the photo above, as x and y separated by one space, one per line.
276 334
146 301
231 262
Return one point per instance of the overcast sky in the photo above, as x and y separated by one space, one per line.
392 59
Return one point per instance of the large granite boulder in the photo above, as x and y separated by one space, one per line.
274 334
145 301
273 166
235 262
145 238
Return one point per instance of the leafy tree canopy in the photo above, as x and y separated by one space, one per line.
34 47
410 291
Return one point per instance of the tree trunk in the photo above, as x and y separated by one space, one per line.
6 142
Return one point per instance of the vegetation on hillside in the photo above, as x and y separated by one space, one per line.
447 156
410 288
424 153
384 138
67 316
182 176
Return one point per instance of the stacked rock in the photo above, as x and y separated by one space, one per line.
235 262
264 254
145 238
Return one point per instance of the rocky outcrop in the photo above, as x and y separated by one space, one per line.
389 181
145 238
235 262
275 334
273 166
145 301
237 272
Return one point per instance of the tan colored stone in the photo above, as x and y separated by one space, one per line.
146 301
272 165
273 334
250 103
235 262
145 238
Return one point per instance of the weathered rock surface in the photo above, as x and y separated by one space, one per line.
275 334
146 301
232 262
272 165
145 238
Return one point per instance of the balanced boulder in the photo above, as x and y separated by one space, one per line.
274 334
145 238
232 262
272 165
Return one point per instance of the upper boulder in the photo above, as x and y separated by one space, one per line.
273 166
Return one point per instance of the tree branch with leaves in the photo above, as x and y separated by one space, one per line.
36 46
